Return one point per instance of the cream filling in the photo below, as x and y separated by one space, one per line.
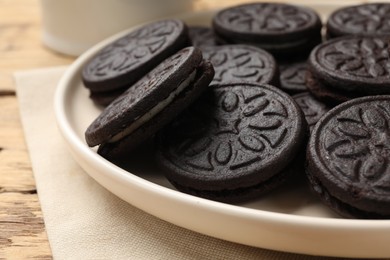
154 111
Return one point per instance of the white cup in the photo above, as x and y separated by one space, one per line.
72 26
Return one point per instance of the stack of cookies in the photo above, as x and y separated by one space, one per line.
231 108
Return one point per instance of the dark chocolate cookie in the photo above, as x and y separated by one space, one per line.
282 29
152 102
348 158
293 77
364 20
312 108
355 66
235 142
326 94
242 63
126 60
202 36
105 98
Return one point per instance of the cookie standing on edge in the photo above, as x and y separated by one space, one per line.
348 158
236 142
150 103
364 20
286 31
349 67
242 63
123 62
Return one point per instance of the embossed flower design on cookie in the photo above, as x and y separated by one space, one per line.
359 65
234 126
364 19
359 147
144 87
312 108
287 31
235 69
366 57
293 77
131 50
267 17
236 142
296 75
232 122
241 63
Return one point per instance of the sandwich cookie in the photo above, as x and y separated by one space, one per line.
122 63
349 67
312 108
202 36
286 31
293 77
364 20
236 142
242 63
150 103
348 158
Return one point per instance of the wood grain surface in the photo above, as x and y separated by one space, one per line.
22 230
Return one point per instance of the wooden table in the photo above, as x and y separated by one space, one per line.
22 230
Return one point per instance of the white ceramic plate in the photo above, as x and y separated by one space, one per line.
289 219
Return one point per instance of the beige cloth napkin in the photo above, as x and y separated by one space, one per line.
85 221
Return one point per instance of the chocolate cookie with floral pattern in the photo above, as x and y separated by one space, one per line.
312 108
282 29
123 62
325 94
364 20
235 143
151 103
293 77
348 158
202 36
242 63
351 67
